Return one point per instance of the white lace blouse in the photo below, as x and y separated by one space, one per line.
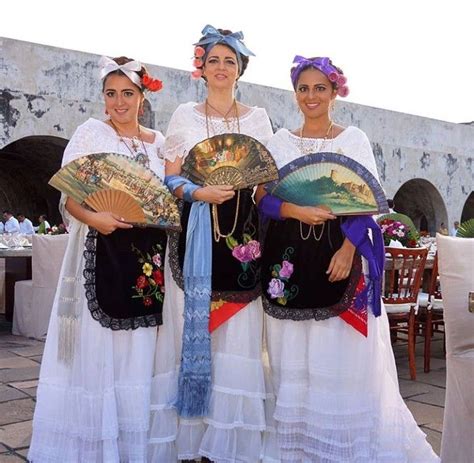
187 127
94 136
351 142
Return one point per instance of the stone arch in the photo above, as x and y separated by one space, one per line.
468 209
27 165
421 201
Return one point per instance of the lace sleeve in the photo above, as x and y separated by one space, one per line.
263 126
79 145
177 135
364 149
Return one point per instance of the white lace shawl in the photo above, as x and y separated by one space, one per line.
187 127
352 142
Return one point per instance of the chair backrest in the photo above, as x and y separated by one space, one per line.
403 274
48 253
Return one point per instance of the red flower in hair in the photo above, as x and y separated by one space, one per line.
154 85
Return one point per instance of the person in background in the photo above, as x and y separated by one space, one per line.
454 230
11 223
44 225
443 229
391 206
26 227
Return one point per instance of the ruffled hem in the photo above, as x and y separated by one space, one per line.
50 446
92 416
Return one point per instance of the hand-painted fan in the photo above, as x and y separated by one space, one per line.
333 180
230 159
110 182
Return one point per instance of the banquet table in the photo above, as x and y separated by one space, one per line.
17 267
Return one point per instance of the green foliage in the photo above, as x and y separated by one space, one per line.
405 220
466 229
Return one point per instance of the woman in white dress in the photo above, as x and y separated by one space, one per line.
192 416
333 369
93 400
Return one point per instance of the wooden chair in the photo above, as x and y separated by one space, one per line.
403 277
430 316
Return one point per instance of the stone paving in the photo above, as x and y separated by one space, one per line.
20 360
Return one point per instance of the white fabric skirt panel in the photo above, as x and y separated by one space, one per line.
96 410
337 394
233 430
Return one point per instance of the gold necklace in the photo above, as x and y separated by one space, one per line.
139 156
215 220
323 141
225 119
312 227
215 216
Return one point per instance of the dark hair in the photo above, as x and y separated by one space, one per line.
244 59
390 203
296 71
6 211
124 60
20 214
44 216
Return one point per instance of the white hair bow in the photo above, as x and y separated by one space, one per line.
130 69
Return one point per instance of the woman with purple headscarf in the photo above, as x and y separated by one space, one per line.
333 369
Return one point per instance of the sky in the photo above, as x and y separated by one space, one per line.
411 56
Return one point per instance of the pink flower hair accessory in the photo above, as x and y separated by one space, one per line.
323 64
198 62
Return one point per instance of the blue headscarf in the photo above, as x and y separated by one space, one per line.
212 37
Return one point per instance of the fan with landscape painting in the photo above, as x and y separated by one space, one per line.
342 184
111 182
230 159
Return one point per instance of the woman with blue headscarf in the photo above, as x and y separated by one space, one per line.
208 395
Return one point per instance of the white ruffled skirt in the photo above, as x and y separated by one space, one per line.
98 409
234 430
337 394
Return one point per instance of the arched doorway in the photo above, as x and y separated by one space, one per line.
27 165
468 209
422 202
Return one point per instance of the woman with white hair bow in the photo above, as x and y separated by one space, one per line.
93 396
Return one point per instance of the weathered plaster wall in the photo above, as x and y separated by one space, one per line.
49 91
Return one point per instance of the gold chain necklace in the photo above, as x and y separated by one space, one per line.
312 227
323 141
227 121
139 156
215 216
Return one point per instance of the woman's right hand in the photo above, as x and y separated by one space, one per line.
214 194
107 222
310 215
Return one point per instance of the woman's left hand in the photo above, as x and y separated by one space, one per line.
341 262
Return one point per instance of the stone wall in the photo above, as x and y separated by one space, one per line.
47 92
